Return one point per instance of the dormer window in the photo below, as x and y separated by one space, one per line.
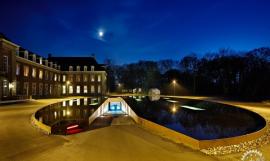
78 68
26 54
40 60
70 68
46 62
92 68
34 58
85 68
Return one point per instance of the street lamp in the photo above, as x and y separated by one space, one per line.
174 82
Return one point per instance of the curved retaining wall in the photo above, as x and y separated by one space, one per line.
44 128
194 143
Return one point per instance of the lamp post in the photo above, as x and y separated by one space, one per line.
174 82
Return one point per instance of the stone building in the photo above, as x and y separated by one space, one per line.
24 74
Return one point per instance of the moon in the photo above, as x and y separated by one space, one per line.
100 34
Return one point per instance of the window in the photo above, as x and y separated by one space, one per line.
34 72
99 89
85 68
51 76
78 89
64 90
34 58
25 88
78 78
50 90
46 89
46 75
92 89
70 90
85 78
26 55
5 63
17 69
84 89
78 68
92 78
40 89
64 78
40 74
55 77
40 60
99 78
70 68
59 77
92 68
25 70
70 78
34 89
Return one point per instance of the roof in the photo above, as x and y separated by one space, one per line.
65 62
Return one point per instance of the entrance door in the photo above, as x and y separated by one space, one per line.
115 106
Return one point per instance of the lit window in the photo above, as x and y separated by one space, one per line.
17 69
64 90
59 77
34 72
40 60
5 63
84 89
25 70
40 74
99 89
92 89
70 90
78 89
85 68
99 78
92 78
64 78
70 68
55 77
78 68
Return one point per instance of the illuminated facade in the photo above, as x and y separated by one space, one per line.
25 74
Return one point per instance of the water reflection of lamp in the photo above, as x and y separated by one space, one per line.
174 109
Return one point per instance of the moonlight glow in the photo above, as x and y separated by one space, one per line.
100 33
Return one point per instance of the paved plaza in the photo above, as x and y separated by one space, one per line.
20 141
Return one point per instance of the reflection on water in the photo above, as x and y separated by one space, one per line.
198 119
62 114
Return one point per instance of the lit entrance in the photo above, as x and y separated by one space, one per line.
115 106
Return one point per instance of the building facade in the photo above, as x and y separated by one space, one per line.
25 74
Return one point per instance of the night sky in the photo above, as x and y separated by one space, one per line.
134 30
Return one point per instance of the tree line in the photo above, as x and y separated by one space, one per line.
228 73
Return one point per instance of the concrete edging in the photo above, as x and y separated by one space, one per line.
44 128
194 143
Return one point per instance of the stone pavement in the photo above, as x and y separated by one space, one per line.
20 141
